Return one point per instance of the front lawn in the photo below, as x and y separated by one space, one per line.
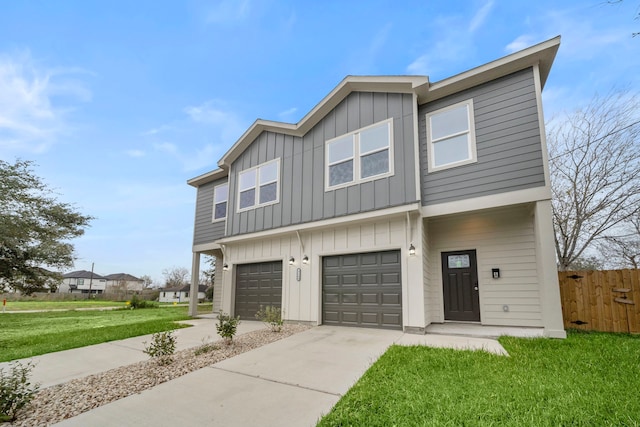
59 305
30 334
588 379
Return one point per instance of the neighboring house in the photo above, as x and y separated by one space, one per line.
122 282
83 282
394 203
181 293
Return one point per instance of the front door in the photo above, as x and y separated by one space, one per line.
460 286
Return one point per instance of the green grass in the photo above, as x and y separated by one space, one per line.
31 334
589 379
59 305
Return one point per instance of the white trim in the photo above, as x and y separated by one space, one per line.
343 220
416 148
543 132
470 132
257 185
487 202
357 156
213 216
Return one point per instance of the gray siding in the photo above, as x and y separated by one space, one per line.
302 194
206 231
507 140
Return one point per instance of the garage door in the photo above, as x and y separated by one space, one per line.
362 290
257 285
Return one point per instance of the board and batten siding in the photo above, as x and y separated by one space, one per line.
509 149
206 231
302 196
503 238
302 300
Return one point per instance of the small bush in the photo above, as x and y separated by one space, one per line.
162 347
227 327
16 391
272 316
137 302
206 347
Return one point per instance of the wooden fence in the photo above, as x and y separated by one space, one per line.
607 301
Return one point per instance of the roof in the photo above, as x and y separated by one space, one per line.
123 276
184 288
82 274
541 55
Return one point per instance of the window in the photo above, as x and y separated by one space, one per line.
451 138
220 197
360 156
80 282
258 186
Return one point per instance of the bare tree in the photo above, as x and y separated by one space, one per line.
595 172
175 276
207 275
147 281
625 246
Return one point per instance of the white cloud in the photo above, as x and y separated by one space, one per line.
480 16
135 153
215 114
449 48
32 113
287 114
228 11
521 42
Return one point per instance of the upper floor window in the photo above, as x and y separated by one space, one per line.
259 185
359 156
220 197
451 139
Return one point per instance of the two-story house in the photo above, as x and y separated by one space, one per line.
396 202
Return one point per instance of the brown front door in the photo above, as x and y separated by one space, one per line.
460 286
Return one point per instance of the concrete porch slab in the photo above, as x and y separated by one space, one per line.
482 331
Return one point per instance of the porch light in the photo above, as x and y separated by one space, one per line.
412 250
292 260
225 267
305 259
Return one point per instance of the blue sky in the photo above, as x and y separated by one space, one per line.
120 102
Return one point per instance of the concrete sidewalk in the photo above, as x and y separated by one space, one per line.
62 366
290 382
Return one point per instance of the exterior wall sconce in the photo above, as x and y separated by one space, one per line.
412 250
292 261
305 259
225 267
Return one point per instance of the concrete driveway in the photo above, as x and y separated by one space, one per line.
291 382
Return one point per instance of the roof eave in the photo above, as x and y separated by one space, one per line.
397 84
208 177
542 54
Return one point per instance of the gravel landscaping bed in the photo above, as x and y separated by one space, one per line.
54 404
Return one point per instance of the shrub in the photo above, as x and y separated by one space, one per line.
162 347
227 327
205 347
137 302
271 316
16 391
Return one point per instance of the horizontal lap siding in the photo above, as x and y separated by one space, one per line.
507 141
206 231
504 239
302 167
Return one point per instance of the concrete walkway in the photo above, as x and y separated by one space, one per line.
62 366
290 382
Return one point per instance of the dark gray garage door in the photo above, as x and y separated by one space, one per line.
362 290
257 285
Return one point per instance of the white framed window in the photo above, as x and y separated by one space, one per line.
220 198
259 186
359 156
451 139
